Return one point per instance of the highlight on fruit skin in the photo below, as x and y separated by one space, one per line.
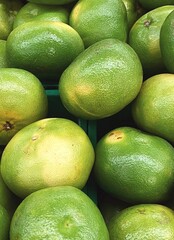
23 101
62 212
143 221
134 166
102 80
48 152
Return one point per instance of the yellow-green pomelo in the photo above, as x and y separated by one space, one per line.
52 2
23 100
7 199
8 11
144 38
33 11
134 166
143 221
167 42
3 58
49 152
153 109
4 223
99 19
62 212
149 4
102 80
44 48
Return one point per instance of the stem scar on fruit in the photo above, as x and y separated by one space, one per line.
116 135
8 126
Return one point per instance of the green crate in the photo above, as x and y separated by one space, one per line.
56 109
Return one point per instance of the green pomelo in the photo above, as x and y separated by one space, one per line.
58 213
49 152
4 223
33 11
45 48
143 221
134 166
99 19
153 109
102 80
167 42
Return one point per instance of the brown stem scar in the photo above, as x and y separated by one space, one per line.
8 126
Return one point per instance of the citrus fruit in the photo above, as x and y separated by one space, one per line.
149 4
52 2
62 212
3 58
144 38
134 166
4 223
7 199
45 48
153 109
22 101
143 221
134 11
102 80
8 11
167 42
49 152
99 20
33 11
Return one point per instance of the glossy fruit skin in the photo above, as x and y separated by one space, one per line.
33 11
45 48
23 101
144 38
167 43
153 109
143 221
58 212
134 166
4 223
102 80
49 152
96 20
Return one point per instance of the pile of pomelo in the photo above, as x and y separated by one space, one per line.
86 120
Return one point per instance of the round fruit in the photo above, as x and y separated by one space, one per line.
167 42
32 11
149 4
144 38
99 20
58 213
153 109
4 223
49 152
102 80
52 2
134 166
22 101
8 11
143 221
45 48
